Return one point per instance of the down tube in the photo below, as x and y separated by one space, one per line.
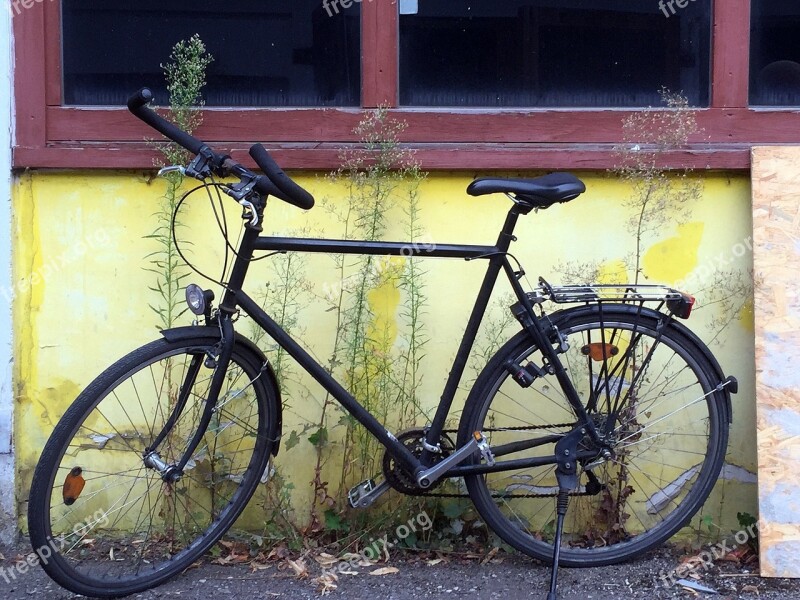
305 360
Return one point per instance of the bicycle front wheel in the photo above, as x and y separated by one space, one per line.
103 519
651 388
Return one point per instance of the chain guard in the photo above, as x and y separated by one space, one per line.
397 477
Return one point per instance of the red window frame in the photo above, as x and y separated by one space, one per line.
51 135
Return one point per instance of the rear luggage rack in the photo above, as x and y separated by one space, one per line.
677 302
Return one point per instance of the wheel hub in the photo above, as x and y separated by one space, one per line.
169 473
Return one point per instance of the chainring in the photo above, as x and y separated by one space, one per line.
398 477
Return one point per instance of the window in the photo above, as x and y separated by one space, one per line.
775 53
276 53
497 84
550 53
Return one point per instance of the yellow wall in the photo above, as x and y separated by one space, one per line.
82 296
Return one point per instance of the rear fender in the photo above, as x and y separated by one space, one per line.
561 316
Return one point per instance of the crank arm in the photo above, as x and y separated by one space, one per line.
477 442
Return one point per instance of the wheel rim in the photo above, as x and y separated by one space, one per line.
126 525
664 452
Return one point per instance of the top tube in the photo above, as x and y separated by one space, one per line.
315 245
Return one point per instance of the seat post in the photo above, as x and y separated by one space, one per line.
507 232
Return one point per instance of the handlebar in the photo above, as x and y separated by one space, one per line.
276 183
299 196
137 104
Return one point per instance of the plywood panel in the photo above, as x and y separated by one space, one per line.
776 225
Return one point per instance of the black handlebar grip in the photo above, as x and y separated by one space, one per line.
266 188
137 104
294 193
139 99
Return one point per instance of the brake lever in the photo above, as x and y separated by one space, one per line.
253 212
241 190
200 167
172 169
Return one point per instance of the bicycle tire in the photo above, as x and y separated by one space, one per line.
676 491
93 543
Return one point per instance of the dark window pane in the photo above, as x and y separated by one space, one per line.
276 53
553 52
775 53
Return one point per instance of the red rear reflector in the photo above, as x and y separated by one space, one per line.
681 307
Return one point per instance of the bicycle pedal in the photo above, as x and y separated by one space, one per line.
365 493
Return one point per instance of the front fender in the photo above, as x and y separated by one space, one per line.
179 334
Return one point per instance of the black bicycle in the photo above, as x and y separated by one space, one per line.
611 406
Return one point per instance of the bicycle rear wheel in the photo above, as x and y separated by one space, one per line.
651 388
103 520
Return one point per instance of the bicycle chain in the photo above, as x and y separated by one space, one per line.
432 495
519 428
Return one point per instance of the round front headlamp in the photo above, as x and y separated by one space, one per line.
196 299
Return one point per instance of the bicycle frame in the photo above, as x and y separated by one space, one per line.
234 299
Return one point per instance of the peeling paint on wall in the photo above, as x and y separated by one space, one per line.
737 473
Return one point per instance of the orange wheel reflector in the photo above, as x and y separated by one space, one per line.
599 351
73 486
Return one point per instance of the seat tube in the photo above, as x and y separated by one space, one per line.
470 333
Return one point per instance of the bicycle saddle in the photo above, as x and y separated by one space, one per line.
539 192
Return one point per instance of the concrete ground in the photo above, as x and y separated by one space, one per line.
502 577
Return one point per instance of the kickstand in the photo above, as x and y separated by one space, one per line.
567 475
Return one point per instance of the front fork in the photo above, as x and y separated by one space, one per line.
171 473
